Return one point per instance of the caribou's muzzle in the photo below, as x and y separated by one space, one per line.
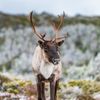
55 61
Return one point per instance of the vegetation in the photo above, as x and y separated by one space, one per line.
88 87
82 89
4 79
16 86
16 21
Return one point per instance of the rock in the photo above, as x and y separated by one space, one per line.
96 96
75 90
5 95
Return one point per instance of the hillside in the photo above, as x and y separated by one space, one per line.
15 21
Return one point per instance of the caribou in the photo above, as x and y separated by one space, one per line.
46 62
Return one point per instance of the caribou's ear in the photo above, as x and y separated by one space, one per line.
41 44
60 42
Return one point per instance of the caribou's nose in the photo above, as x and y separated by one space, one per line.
56 61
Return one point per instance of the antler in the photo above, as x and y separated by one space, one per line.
65 36
57 28
34 30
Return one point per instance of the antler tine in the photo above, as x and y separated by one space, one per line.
59 38
57 28
61 20
33 26
60 23
62 37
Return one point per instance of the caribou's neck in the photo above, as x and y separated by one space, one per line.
41 64
46 68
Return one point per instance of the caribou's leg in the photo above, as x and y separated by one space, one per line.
43 90
40 87
52 90
56 86
52 87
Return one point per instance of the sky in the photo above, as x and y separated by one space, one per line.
70 7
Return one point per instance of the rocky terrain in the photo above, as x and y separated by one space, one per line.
80 55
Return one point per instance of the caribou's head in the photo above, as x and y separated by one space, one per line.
50 47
